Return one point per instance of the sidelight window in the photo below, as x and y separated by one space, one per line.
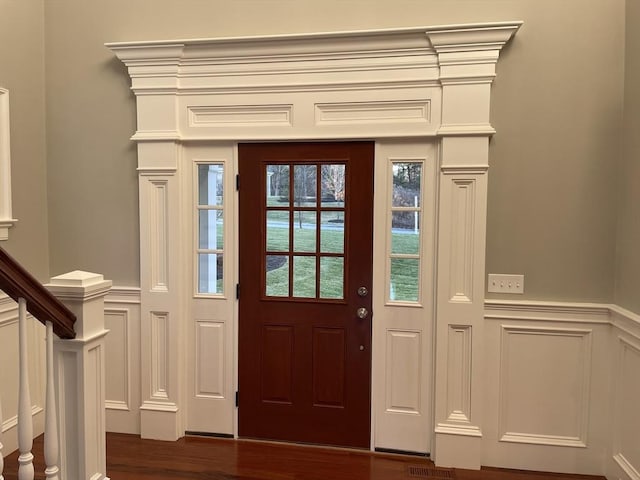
405 231
210 228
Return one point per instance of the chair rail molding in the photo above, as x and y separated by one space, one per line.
6 218
425 83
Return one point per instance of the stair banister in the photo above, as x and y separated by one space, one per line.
72 308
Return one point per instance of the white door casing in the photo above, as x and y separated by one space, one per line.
421 93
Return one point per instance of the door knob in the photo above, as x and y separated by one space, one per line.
362 291
362 312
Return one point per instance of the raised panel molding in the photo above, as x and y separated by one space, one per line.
117 348
158 234
345 113
159 355
519 372
404 372
459 374
240 116
627 399
463 201
210 359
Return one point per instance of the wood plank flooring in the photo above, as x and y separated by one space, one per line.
131 458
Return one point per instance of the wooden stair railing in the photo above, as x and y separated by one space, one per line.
31 296
16 282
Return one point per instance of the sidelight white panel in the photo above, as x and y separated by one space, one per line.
210 359
403 375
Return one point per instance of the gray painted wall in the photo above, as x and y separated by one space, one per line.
627 284
22 73
557 106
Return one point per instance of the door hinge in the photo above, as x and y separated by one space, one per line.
237 399
237 291
237 182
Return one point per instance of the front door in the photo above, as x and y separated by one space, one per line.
306 214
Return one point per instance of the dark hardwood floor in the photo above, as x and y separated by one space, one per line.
131 458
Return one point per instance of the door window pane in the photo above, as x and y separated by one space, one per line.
210 268
211 231
407 180
277 272
333 185
304 233
277 188
210 184
304 277
277 231
304 190
332 232
332 277
405 279
405 236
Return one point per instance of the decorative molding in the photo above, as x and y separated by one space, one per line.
12 422
403 372
466 130
626 466
542 311
240 116
158 234
346 113
463 218
122 341
212 345
464 430
459 374
6 218
159 355
123 295
584 374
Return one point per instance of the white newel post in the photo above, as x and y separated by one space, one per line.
80 377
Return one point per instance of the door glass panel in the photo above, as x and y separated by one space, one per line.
210 268
277 188
404 279
333 185
210 185
406 184
277 271
304 276
332 277
211 235
304 233
304 190
405 235
277 231
332 232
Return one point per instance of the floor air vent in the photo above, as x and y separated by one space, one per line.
430 472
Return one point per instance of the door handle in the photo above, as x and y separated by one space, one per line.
362 313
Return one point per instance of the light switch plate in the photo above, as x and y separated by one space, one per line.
501 283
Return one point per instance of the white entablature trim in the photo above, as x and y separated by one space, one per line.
245 78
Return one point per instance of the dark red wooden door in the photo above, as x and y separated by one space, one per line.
305 252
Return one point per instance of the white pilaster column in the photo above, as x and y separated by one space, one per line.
467 59
79 365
